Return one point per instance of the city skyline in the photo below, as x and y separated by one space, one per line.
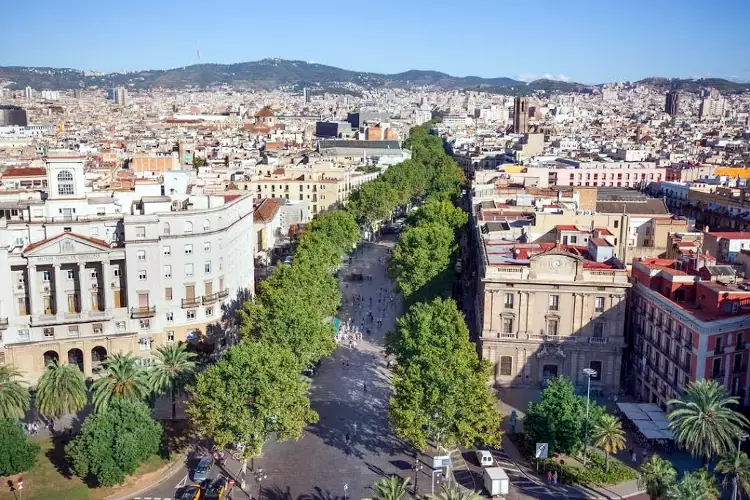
588 46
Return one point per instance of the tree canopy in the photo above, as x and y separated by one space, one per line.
14 395
61 389
373 201
445 213
114 442
17 453
252 393
423 252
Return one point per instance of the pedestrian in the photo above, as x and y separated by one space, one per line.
348 438
364 387
549 476
554 477
633 456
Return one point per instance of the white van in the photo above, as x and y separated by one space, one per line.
484 458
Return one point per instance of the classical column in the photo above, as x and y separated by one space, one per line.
85 296
109 300
35 299
61 305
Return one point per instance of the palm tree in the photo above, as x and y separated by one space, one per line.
123 378
174 367
609 436
698 485
657 477
61 389
391 488
702 420
736 468
455 492
14 397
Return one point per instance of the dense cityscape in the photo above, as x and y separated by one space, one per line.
307 283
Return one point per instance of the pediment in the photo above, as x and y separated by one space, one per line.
66 244
555 263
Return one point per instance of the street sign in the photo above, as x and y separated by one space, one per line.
441 461
542 450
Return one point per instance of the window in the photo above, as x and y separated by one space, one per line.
167 271
93 232
145 324
45 275
94 274
167 229
617 224
65 184
190 314
117 272
49 333
221 263
168 293
144 362
552 327
598 330
188 269
167 250
207 267
120 326
506 366
209 311
140 231
740 342
144 344
206 225
97 328
23 334
509 301
70 275
599 305
188 227
170 317
142 275
170 336
507 325
554 302
207 247
597 367
141 255
73 331
188 249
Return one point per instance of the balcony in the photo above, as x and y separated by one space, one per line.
507 335
143 312
191 303
718 350
544 338
224 293
598 340
3 323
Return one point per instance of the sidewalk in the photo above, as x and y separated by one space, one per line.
622 490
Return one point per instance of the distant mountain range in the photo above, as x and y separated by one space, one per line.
275 73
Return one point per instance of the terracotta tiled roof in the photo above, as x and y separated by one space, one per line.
24 171
265 112
38 244
265 211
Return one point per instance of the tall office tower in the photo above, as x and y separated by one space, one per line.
520 115
712 106
28 93
671 103
121 96
306 93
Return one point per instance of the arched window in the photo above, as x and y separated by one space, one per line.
167 228
188 227
65 183
206 225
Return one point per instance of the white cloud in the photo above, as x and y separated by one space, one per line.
530 77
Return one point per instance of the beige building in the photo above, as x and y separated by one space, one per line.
548 310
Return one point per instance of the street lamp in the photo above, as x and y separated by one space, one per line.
259 477
589 372
741 436
417 468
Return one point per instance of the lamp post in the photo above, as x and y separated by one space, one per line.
589 372
417 467
438 472
741 436
259 477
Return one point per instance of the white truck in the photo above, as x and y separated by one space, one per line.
496 481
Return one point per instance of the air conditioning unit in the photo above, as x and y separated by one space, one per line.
45 288
95 286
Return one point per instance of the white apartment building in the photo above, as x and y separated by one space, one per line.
91 274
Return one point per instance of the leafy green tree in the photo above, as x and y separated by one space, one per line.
446 179
735 468
338 226
17 452
306 280
455 492
657 476
61 390
122 379
372 202
423 252
439 212
440 384
409 179
698 485
252 393
559 418
315 249
609 436
703 421
14 396
114 442
173 369
391 488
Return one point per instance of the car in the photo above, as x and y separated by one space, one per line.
192 492
216 490
203 468
484 458
288 259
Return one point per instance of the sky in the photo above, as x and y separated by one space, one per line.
578 40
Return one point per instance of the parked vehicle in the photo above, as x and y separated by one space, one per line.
484 458
496 481
203 468
216 490
192 492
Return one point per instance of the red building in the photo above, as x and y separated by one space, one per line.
690 320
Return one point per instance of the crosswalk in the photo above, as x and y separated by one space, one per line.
462 473
522 481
